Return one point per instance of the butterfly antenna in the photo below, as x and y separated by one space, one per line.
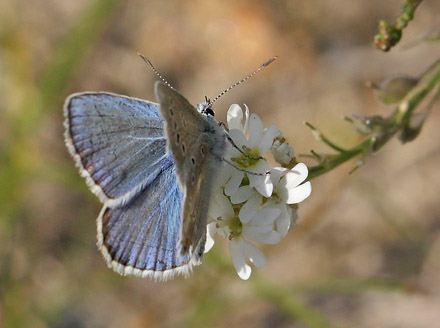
266 63
153 69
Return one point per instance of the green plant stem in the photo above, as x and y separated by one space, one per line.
399 120
337 160
427 83
323 138
20 162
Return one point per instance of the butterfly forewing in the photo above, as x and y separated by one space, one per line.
183 124
197 144
116 141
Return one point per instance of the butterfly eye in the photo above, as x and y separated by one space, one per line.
209 111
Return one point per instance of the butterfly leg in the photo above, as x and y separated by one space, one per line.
243 170
231 141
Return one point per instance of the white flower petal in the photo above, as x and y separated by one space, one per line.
288 184
296 175
242 195
246 121
238 137
233 184
261 167
298 194
261 229
282 223
239 259
220 206
254 254
211 229
255 179
225 174
265 188
282 220
272 238
267 140
266 215
255 131
276 173
261 234
253 233
250 208
235 117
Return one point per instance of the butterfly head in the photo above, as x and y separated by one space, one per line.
205 107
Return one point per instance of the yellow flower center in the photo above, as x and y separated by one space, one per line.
245 162
233 225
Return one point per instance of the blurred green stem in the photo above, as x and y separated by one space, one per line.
399 120
59 73
21 162
343 157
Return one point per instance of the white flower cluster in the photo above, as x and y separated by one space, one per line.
257 207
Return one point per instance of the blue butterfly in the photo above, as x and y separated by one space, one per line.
153 167
149 172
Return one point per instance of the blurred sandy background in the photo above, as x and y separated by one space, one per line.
366 252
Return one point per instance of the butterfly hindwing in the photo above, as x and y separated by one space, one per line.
141 237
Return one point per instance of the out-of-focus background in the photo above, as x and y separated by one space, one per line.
366 251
